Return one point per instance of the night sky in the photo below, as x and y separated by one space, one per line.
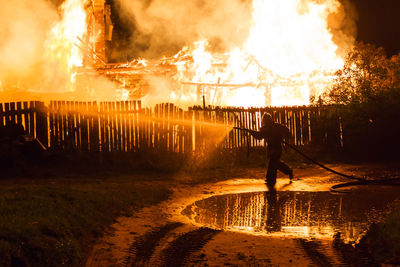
378 22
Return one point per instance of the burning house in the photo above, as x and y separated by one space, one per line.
289 54
282 62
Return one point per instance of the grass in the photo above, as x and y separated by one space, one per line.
54 222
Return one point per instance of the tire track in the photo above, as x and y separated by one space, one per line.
183 246
141 251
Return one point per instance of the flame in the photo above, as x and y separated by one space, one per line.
64 35
288 56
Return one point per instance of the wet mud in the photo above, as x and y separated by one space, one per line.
313 250
143 248
168 246
182 247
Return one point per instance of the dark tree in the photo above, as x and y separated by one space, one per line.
366 74
367 90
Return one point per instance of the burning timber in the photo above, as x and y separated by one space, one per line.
134 77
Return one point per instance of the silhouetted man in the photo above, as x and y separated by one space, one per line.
274 134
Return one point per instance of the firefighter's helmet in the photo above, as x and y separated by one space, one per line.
266 119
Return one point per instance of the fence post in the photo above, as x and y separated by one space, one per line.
42 130
94 136
1 115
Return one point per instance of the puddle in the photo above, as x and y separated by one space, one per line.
296 214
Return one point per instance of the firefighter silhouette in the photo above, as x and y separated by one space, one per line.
274 134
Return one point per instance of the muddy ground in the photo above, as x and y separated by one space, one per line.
165 235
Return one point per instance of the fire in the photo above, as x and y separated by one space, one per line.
62 42
288 56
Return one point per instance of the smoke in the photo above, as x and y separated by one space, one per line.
24 27
29 70
163 27
343 26
159 91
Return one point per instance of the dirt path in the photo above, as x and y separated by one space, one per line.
162 236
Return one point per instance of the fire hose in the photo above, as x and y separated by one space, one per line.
334 188
358 180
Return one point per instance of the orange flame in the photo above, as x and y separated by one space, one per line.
288 56
63 37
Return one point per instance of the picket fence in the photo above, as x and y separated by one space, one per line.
126 126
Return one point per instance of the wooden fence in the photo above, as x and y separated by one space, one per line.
32 115
126 126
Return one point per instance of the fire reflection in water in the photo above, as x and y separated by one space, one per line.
299 214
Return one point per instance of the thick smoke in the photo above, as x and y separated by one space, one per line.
343 26
163 27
